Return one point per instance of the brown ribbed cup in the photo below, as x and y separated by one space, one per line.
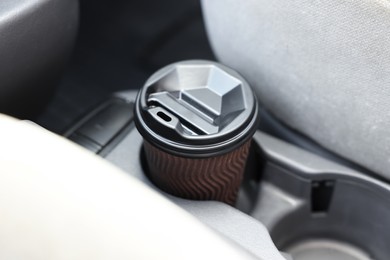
215 178
197 119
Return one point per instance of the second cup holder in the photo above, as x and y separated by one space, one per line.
315 209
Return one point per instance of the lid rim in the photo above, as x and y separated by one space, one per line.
203 145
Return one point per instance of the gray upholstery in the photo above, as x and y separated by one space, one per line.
36 38
322 67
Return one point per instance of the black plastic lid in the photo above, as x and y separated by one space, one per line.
196 109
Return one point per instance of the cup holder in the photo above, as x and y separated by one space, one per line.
325 249
355 225
318 210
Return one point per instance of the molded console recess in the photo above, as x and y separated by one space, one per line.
316 209
312 208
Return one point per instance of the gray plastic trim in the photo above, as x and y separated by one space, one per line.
228 221
354 223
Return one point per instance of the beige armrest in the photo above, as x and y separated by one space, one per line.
58 201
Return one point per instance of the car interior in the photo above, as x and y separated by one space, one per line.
194 129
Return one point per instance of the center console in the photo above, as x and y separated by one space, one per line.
312 208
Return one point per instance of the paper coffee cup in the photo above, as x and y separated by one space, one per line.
197 119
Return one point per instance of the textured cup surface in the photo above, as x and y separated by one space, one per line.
197 119
215 178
